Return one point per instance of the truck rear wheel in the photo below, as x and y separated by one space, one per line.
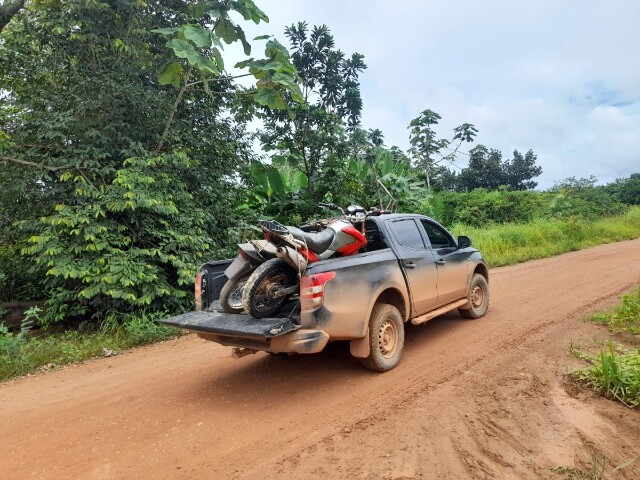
478 298
231 295
386 338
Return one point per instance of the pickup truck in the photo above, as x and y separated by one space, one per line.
412 269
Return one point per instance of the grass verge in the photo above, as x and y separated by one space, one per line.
615 371
625 317
25 352
508 244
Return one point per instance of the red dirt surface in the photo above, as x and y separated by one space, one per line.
470 399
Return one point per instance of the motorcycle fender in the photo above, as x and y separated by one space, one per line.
238 268
265 249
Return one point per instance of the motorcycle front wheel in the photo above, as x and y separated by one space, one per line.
231 295
260 295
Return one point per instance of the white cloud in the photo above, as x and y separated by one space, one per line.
560 78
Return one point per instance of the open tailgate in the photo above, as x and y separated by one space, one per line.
233 325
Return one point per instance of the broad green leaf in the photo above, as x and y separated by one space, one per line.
275 182
198 35
244 63
226 30
269 97
171 74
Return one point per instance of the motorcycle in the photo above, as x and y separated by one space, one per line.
267 272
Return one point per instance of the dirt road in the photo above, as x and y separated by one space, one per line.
470 399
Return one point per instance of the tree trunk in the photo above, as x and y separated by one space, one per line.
8 10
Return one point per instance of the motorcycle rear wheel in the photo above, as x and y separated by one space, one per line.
258 295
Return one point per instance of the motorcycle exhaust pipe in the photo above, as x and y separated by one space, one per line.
293 258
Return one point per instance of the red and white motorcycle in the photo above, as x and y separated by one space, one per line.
267 272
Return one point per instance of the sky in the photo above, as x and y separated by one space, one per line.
559 77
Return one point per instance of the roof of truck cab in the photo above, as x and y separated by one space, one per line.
395 216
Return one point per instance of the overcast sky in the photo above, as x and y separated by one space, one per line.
559 77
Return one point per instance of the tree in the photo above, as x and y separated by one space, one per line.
520 170
8 9
108 146
485 170
626 190
310 134
428 151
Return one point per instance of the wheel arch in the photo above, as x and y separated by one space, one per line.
482 270
392 296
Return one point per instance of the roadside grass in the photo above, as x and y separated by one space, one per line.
29 351
615 370
625 317
507 244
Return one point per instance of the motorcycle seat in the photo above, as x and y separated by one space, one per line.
317 242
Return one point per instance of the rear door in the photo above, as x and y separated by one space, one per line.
451 263
417 262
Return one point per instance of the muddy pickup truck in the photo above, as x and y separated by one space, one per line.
412 269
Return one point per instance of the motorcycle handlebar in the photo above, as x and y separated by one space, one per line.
331 206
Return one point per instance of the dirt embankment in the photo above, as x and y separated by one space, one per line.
470 399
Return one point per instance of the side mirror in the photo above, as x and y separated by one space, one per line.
464 241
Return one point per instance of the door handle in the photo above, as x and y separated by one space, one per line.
410 265
440 262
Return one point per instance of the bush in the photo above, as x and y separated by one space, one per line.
625 317
481 207
135 242
614 374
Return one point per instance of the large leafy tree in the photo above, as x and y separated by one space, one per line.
311 134
485 170
8 9
520 171
488 170
431 153
127 147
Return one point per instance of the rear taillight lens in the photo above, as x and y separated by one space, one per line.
198 291
312 289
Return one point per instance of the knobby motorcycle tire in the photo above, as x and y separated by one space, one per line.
231 295
268 277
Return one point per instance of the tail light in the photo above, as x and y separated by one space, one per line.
198 291
312 289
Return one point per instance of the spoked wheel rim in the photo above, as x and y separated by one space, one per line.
388 339
477 296
264 299
235 296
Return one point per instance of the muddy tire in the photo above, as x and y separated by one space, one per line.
478 298
386 338
231 295
257 297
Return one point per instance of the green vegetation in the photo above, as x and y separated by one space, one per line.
625 317
509 243
126 159
615 370
26 352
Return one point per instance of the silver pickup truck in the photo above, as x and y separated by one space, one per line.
412 269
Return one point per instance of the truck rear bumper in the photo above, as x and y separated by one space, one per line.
276 335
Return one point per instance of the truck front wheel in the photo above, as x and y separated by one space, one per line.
478 298
386 338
